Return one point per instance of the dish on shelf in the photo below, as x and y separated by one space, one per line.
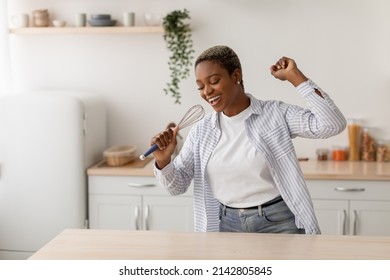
100 16
59 23
102 22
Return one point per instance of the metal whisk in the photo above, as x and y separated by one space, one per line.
193 115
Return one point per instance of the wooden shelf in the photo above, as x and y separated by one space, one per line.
86 30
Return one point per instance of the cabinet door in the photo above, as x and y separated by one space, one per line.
168 213
115 211
370 218
332 216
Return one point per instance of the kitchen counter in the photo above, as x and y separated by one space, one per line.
160 245
345 170
312 169
135 168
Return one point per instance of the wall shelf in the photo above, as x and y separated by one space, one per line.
86 30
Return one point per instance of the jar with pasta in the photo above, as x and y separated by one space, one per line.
354 130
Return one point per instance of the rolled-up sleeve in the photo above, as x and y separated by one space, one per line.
322 118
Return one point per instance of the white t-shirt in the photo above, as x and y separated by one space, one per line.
236 171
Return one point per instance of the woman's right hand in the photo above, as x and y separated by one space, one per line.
166 142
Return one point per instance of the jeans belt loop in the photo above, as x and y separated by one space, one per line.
260 209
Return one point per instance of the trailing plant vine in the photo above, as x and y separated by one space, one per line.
177 35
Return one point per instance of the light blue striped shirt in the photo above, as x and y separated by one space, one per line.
270 128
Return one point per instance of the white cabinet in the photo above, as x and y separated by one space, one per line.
332 215
168 213
370 217
352 207
137 203
115 211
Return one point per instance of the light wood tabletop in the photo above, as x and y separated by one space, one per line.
311 168
78 244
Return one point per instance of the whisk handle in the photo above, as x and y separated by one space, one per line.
148 152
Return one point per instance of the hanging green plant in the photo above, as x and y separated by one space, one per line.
177 35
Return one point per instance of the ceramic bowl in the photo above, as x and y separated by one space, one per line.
102 22
153 19
59 23
101 16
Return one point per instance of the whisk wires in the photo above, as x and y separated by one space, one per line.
193 115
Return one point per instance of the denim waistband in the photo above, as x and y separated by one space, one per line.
265 204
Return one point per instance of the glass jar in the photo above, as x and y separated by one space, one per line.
383 151
339 153
322 154
367 146
353 139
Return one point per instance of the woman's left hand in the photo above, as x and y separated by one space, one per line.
286 69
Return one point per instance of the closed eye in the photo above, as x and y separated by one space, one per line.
214 82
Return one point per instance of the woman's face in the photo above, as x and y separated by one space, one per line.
218 88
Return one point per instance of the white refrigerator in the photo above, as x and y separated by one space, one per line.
47 142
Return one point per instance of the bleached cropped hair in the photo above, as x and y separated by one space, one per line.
222 55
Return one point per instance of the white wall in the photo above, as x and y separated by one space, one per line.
5 75
343 45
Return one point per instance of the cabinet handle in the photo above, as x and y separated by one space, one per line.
342 189
355 218
136 215
344 222
136 185
146 221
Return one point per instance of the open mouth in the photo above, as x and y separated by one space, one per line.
214 100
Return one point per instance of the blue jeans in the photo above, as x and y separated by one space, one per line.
275 218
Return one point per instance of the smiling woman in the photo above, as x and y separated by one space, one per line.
241 157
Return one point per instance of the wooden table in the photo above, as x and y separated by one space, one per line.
77 244
312 169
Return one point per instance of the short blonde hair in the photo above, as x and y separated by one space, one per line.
222 55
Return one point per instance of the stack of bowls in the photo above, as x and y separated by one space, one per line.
41 18
101 20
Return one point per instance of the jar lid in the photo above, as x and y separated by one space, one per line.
322 151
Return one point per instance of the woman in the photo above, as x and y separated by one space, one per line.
241 157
